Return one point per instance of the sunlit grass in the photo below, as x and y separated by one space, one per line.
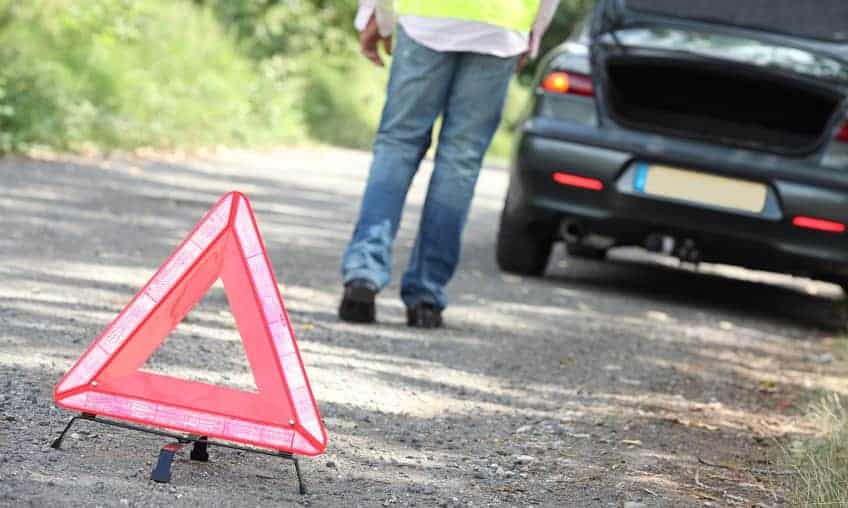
820 469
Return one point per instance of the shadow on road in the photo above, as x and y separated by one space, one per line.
613 378
769 296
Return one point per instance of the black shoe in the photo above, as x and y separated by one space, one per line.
358 302
423 315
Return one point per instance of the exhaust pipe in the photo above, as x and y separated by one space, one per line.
572 232
686 250
661 244
689 252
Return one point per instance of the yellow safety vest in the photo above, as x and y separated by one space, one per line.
517 15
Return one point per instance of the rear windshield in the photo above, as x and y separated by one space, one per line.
822 19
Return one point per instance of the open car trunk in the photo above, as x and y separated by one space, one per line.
721 102
744 73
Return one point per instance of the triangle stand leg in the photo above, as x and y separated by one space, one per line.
57 443
200 450
301 487
162 471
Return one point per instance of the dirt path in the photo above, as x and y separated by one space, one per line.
600 385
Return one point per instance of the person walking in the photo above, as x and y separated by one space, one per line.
454 59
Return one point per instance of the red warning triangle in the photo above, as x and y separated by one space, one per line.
281 414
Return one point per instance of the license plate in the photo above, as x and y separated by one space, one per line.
701 188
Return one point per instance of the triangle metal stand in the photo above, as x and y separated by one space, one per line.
162 471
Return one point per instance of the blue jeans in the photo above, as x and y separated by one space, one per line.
469 91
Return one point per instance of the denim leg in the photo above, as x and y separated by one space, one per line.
472 115
417 92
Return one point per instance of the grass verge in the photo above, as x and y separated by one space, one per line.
820 465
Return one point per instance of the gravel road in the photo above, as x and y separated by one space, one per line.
623 384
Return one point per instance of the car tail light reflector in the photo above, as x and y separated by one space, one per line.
828 226
578 181
568 83
842 133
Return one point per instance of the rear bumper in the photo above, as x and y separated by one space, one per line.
774 243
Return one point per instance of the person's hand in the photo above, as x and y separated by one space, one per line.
370 38
522 62
524 57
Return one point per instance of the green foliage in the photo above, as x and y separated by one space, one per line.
289 27
124 73
315 42
129 73
343 101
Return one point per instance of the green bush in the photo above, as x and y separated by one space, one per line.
342 92
292 28
343 101
124 73
164 73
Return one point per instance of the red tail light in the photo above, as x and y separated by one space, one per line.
827 226
842 133
578 181
568 83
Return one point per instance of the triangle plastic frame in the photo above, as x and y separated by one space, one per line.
281 415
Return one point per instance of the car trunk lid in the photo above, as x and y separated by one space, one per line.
682 69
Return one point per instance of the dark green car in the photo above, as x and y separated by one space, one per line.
712 131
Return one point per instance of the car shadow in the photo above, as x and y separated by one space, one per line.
709 287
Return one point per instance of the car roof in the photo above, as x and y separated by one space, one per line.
825 20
